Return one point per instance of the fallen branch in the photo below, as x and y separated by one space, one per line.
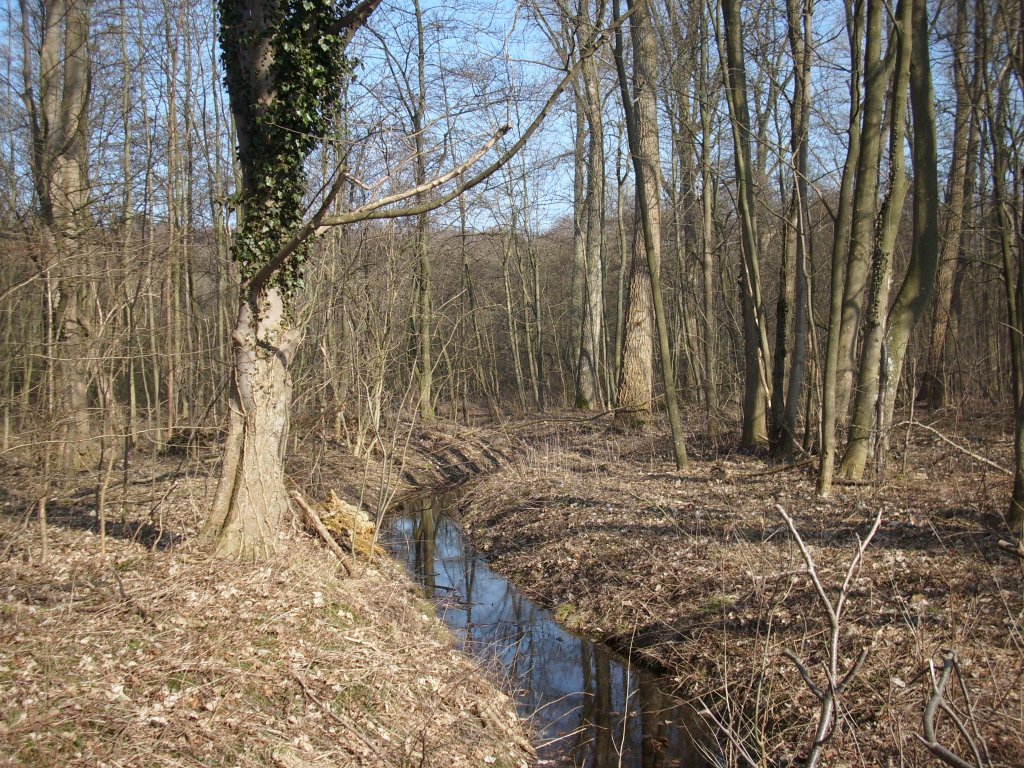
972 454
931 710
317 523
781 468
1014 549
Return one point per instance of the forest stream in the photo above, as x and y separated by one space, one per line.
586 704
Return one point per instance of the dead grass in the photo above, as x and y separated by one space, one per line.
155 655
704 566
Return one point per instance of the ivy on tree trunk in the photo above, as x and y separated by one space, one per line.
285 67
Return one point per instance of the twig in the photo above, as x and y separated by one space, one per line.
972 454
129 600
827 695
338 717
317 523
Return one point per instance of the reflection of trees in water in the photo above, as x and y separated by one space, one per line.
424 540
570 684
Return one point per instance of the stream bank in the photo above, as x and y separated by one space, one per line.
149 653
587 706
696 573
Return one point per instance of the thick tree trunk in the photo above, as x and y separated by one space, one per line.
636 381
251 497
56 98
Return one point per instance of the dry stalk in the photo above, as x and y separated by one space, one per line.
43 532
836 683
101 501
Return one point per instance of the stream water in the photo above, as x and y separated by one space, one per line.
587 706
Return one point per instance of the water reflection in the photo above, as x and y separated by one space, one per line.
589 708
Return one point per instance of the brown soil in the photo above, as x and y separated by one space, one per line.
151 654
697 574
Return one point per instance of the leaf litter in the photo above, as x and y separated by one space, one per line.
155 655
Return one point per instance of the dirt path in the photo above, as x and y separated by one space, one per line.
697 574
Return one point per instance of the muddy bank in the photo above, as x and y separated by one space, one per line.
697 573
151 654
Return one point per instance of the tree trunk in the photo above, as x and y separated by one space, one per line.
642 127
840 244
918 284
636 380
424 306
58 114
800 15
588 386
251 497
756 354
865 204
933 377
874 359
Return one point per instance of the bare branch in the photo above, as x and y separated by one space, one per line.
972 454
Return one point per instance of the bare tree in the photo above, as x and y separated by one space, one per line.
56 74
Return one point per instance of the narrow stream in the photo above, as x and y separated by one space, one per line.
588 707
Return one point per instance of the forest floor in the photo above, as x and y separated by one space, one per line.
151 654
698 576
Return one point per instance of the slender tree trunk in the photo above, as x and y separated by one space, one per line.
707 199
840 245
874 360
933 377
800 16
756 355
424 308
588 381
918 286
642 127
877 72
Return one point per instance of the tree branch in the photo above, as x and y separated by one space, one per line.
378 209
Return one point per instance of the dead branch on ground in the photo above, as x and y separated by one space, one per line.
943 438
317 523
938 702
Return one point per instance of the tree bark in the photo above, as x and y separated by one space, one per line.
799 14
588 382
934 386
58 115
251 496
642 128
865 205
